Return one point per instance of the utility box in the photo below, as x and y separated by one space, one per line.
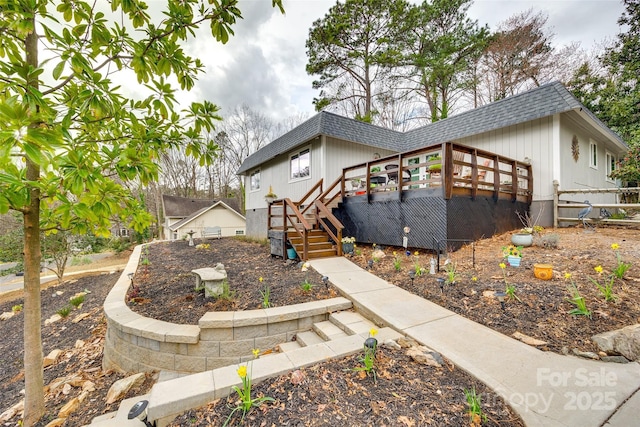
277 240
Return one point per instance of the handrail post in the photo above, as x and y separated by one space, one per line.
556 185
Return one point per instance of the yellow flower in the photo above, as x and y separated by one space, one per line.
373 332
474 279
598 269
567 275
256 352
416 253
503 265
615 246
395 253
242 371
260 279
374 245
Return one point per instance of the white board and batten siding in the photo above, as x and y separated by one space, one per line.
328 156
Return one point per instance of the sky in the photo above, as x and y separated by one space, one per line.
263 65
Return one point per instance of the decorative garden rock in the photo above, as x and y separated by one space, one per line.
625 342
211 280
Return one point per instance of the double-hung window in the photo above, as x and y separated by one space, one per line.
610 166
593 155
300 164
255 180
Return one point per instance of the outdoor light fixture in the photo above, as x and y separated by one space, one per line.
325 280
139 412
501 296
440 281
412 275
371 343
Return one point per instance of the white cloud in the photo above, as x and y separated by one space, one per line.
263 65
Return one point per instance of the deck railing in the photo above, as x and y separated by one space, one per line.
451 168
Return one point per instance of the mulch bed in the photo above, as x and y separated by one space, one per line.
332 393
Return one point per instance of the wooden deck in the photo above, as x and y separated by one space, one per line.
443 194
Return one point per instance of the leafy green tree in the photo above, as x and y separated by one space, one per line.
442 44
351 49
611 90
71 142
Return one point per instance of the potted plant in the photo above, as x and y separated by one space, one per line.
348 244
270 197
437 167
524 237
513 254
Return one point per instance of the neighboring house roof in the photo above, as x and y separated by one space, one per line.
182 207
183 222
546 100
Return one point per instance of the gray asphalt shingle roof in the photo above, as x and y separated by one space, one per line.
546 100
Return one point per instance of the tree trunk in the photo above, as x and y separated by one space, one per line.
33 375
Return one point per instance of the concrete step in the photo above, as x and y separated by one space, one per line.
308 338
328 330
288 346
351 322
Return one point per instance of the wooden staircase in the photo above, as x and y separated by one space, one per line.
309 224
319 244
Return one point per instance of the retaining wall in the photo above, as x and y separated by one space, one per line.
136 343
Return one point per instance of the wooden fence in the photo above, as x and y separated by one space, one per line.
562 203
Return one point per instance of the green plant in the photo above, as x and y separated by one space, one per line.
83 260
549 241
577 300
77 300
510 290
450 270
266 295
306 285
244 393
369 358
621 267
64 311
226 294
476 416
396 262
358 252
606 290
17 308
416 264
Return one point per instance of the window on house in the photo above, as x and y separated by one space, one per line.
239 232
175 236
593 155
255 180
300 164
610 165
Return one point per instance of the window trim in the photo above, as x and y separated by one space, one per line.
593 155
610 165
251 175
298 153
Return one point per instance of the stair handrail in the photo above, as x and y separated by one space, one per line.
329 189
287 203
308 195
322 208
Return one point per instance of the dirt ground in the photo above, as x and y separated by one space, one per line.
333 393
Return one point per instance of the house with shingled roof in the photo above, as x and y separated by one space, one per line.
183 214
516 147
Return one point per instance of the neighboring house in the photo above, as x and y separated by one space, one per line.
547 128
183 215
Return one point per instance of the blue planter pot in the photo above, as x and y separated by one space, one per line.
514 261
347 248
291 253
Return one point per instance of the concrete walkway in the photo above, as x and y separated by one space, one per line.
545 388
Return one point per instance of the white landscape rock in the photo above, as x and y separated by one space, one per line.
52 319
52 357
7 315
527 339
121 387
